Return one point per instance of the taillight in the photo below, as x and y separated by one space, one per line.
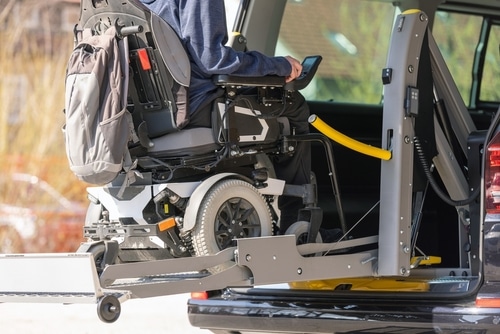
200 295
144 59
488 302
492 176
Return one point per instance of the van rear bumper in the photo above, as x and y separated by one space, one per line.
253 313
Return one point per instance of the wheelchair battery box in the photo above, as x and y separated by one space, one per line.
245 125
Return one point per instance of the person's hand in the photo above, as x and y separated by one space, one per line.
296 69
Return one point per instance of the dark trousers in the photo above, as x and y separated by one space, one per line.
294 169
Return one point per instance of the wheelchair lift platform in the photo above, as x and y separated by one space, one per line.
73 278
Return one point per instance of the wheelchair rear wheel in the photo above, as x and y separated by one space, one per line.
231 209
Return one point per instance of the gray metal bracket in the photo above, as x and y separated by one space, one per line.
277 260
172 276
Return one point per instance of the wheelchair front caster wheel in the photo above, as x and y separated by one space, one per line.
108 309
301 231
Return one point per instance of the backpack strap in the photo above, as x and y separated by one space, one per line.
129 166
124 62
130 174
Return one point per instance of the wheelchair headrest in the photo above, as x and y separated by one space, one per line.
104 13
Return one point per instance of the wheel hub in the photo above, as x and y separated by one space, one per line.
236 219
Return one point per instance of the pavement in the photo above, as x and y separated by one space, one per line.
150 315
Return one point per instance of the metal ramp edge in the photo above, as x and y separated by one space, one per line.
51 277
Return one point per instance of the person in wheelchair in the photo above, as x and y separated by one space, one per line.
201 26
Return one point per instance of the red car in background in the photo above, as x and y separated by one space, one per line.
34 217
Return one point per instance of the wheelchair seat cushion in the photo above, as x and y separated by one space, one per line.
188 142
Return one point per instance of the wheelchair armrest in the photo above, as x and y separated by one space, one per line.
309 67
236 81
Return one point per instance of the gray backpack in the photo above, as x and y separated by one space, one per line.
98 126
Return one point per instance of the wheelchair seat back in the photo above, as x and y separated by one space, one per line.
159 86
155 91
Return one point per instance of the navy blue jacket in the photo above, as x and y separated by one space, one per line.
201 24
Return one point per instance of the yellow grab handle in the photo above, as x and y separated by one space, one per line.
347 141
411 11
424 260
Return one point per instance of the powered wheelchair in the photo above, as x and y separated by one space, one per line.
194 190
